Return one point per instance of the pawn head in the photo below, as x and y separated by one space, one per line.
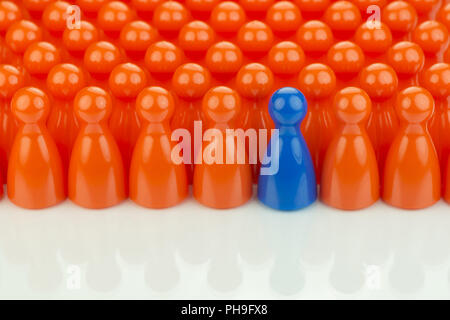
255 36
352 105
287 106
227 17
92 105
315 36
163 57
137 36
40 58
54 16
431 36
155 104
379 81
221 104
21 34
196 36
79 39
254 80
11 80
345 57
170 16
373 40
423 6
406 57
224 57
127 80
30 105
342 16
113 16
284 16
191 80
399 16
286 58
65 80
437 80
101 57
414 105
9 13
444 15
317 81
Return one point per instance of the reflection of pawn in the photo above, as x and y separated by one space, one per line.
315 37
20 35
293 185
312 9
169 17
350 179
11 81
195 38
226 19
96 178
286 59
346 59
201 9
411 174
343 17
255 39
63 82
35 176
38 60
77 40
218 182
254 83
125 82
112 18
155 180
284 18
380 82
223 60
136 37
407 59
318 83
401 18
373 41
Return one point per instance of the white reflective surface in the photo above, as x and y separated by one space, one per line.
252 252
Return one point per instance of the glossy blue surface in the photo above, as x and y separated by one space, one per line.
293 186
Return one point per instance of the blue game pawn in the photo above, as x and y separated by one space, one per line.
287 180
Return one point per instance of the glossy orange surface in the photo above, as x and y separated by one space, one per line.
255 38
346 59
54 16
227 17
136 37
407 59
315 38
21 34
343 17
77 40
195 38
284 18
113 16
223 60
401 18
285 59
169 17
100 58
9 13
373 41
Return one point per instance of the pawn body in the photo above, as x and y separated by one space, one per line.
35 175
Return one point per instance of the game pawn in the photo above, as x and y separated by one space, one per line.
380 82
344 18
286 59
223 60
401 18
156 180
350 179
374 41
407 59
96 177
35 176
77 40
346 59
55 21
315 38
284 18
223 179
318 83
444 15
169 17
9 13
411 174
255 82
226 19
255 39
63 83
195 38
287 180
135 38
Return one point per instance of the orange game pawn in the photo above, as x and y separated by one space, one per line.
9 13
407 59
344 18
411 176
195 38
169 17
286 59
226 19
77 40
113 17
255 38
135 38
55 21
346 59
315 38
156 181
374 41
350 179
284 18
223 60
401 18
96 178
217 182
35 176
318 83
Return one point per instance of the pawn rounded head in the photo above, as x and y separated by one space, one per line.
423 6
170 16
9 13
284 16
79 39
196 36
30 105
287 106
11 80
379 81
65 80
399 16
256 5
352 105
146 5
54 16
255 36
36 5
342 16
373 39
40 58
92 105
254 80
345 57
191 80
137 36
364 4
315 36
221 104
163 57
114 15
127 80
312 5
414 105
437 80
101 57
224 57
21 34
286 57
406 57
444 15
431 36
91 5
317 81
155 104
227 16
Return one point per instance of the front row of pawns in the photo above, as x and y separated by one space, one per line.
349 180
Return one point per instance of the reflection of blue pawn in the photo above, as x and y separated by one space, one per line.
293 185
